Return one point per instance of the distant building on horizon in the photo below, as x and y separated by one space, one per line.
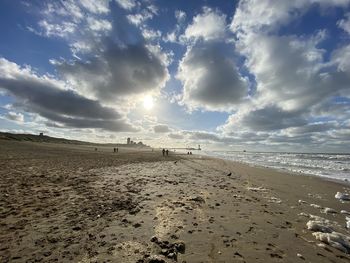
128 141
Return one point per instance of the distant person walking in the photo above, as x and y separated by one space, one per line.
117 149
163 151
167 152
114 149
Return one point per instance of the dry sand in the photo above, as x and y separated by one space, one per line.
71 204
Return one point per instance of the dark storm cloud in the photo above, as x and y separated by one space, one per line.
44 97
117 71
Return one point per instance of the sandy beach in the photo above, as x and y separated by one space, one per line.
70 203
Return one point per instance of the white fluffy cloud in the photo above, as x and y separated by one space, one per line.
15 116
65 29
266 16
99 24
210 79
345 23
81 23
97 7
209 25
291 73
127 4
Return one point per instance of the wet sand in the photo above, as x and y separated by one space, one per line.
61 203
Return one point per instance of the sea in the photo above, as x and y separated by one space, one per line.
332 166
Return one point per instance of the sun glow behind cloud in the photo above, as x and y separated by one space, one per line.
148 102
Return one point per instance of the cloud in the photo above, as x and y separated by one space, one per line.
345 23
301 93
173 35
127 4
50 99
56 30
161 128
291 72
176 136
81 23
99 24
139 18
268 118
210 79
268 16
209 25
96 7
118 72
341 58
180 16
150 34
14 116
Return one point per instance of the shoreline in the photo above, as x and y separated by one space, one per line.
70 204
283 170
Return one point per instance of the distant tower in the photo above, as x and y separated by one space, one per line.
128 141
199 147
41 134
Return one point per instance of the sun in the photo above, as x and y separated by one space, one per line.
148 102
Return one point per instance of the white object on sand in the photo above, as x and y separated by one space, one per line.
334 239
257 189
275 200
316 206
347 222
345 212
303 214
342 196
328 210
323 231
302 202
319 225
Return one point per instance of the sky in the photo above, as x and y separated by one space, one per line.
257 75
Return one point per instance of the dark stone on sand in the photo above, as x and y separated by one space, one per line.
137 225
198 199
180 246
47 253
76 228
154 239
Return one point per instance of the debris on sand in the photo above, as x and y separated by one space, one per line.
342 196
334 239
257 189
198 199
168 249
328 210
324 232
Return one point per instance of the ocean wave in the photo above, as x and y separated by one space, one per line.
335 166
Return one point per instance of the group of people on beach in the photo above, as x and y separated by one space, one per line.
165 152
